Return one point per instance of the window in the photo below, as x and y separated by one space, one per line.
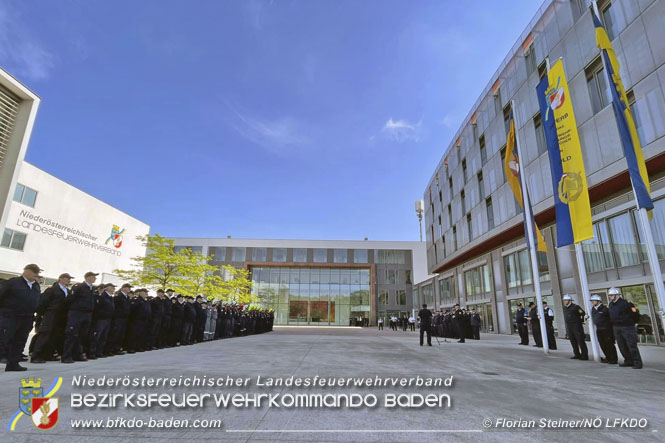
580 7
450 187
530 59
279 254
455 238
490 214
320 255
512 273
497 102
360 256
543 267
469 226
391 277
483 150
383 297
658 227
541 143
339 255
447 292
238 254
599 90
259 254
401 297
450 216
13 240
407 277
300 255
428 296
25 195
474 128
524 262
464 169
391 256
593 256
193 249
503 162
481 186
477 281
517 267
542 70
463 202
610 21
217 253
623 239
506 119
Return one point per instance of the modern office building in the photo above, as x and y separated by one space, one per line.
475 238
322 282
63 229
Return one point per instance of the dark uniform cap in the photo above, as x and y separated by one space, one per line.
170 290
160 291
33 267
65 275
126 285
90 274
108 284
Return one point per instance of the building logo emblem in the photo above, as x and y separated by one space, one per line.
42 408
45 412
555 97
570 187
116 236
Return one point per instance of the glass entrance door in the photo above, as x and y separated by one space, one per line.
638 295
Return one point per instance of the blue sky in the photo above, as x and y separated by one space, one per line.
257 119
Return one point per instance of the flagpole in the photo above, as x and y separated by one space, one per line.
652 255
586 293
533 245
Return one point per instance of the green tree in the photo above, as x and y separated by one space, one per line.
237 286
159 268
197 277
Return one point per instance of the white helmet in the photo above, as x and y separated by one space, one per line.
567 297
614 291
596 297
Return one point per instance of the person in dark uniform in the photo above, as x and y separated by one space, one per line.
121 309
549 324
81 304
458 322
19 298
51 332
535 325
139 324
522 326
157 311
601 319
189 317
425 323
574 317
624 317
200 322
101 322
163 339
475 324
177 314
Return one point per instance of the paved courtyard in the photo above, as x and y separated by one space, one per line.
493 379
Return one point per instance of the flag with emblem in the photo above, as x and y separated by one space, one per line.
571 195
45 412
512 168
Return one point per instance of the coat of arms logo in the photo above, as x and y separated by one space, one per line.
116 236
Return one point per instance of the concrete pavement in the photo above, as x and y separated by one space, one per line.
493 379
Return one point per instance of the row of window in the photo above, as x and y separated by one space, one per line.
517 267
618 241
399 297
319 255
477 281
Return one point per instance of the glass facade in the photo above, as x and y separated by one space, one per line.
313 296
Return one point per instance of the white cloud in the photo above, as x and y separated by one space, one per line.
20 52
275 135
402 130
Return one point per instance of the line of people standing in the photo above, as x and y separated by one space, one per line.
90 322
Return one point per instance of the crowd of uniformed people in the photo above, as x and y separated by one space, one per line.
614 323
91 321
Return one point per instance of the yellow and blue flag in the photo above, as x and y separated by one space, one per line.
571 194
627 131
513 171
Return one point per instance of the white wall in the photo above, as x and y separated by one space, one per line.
58 249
